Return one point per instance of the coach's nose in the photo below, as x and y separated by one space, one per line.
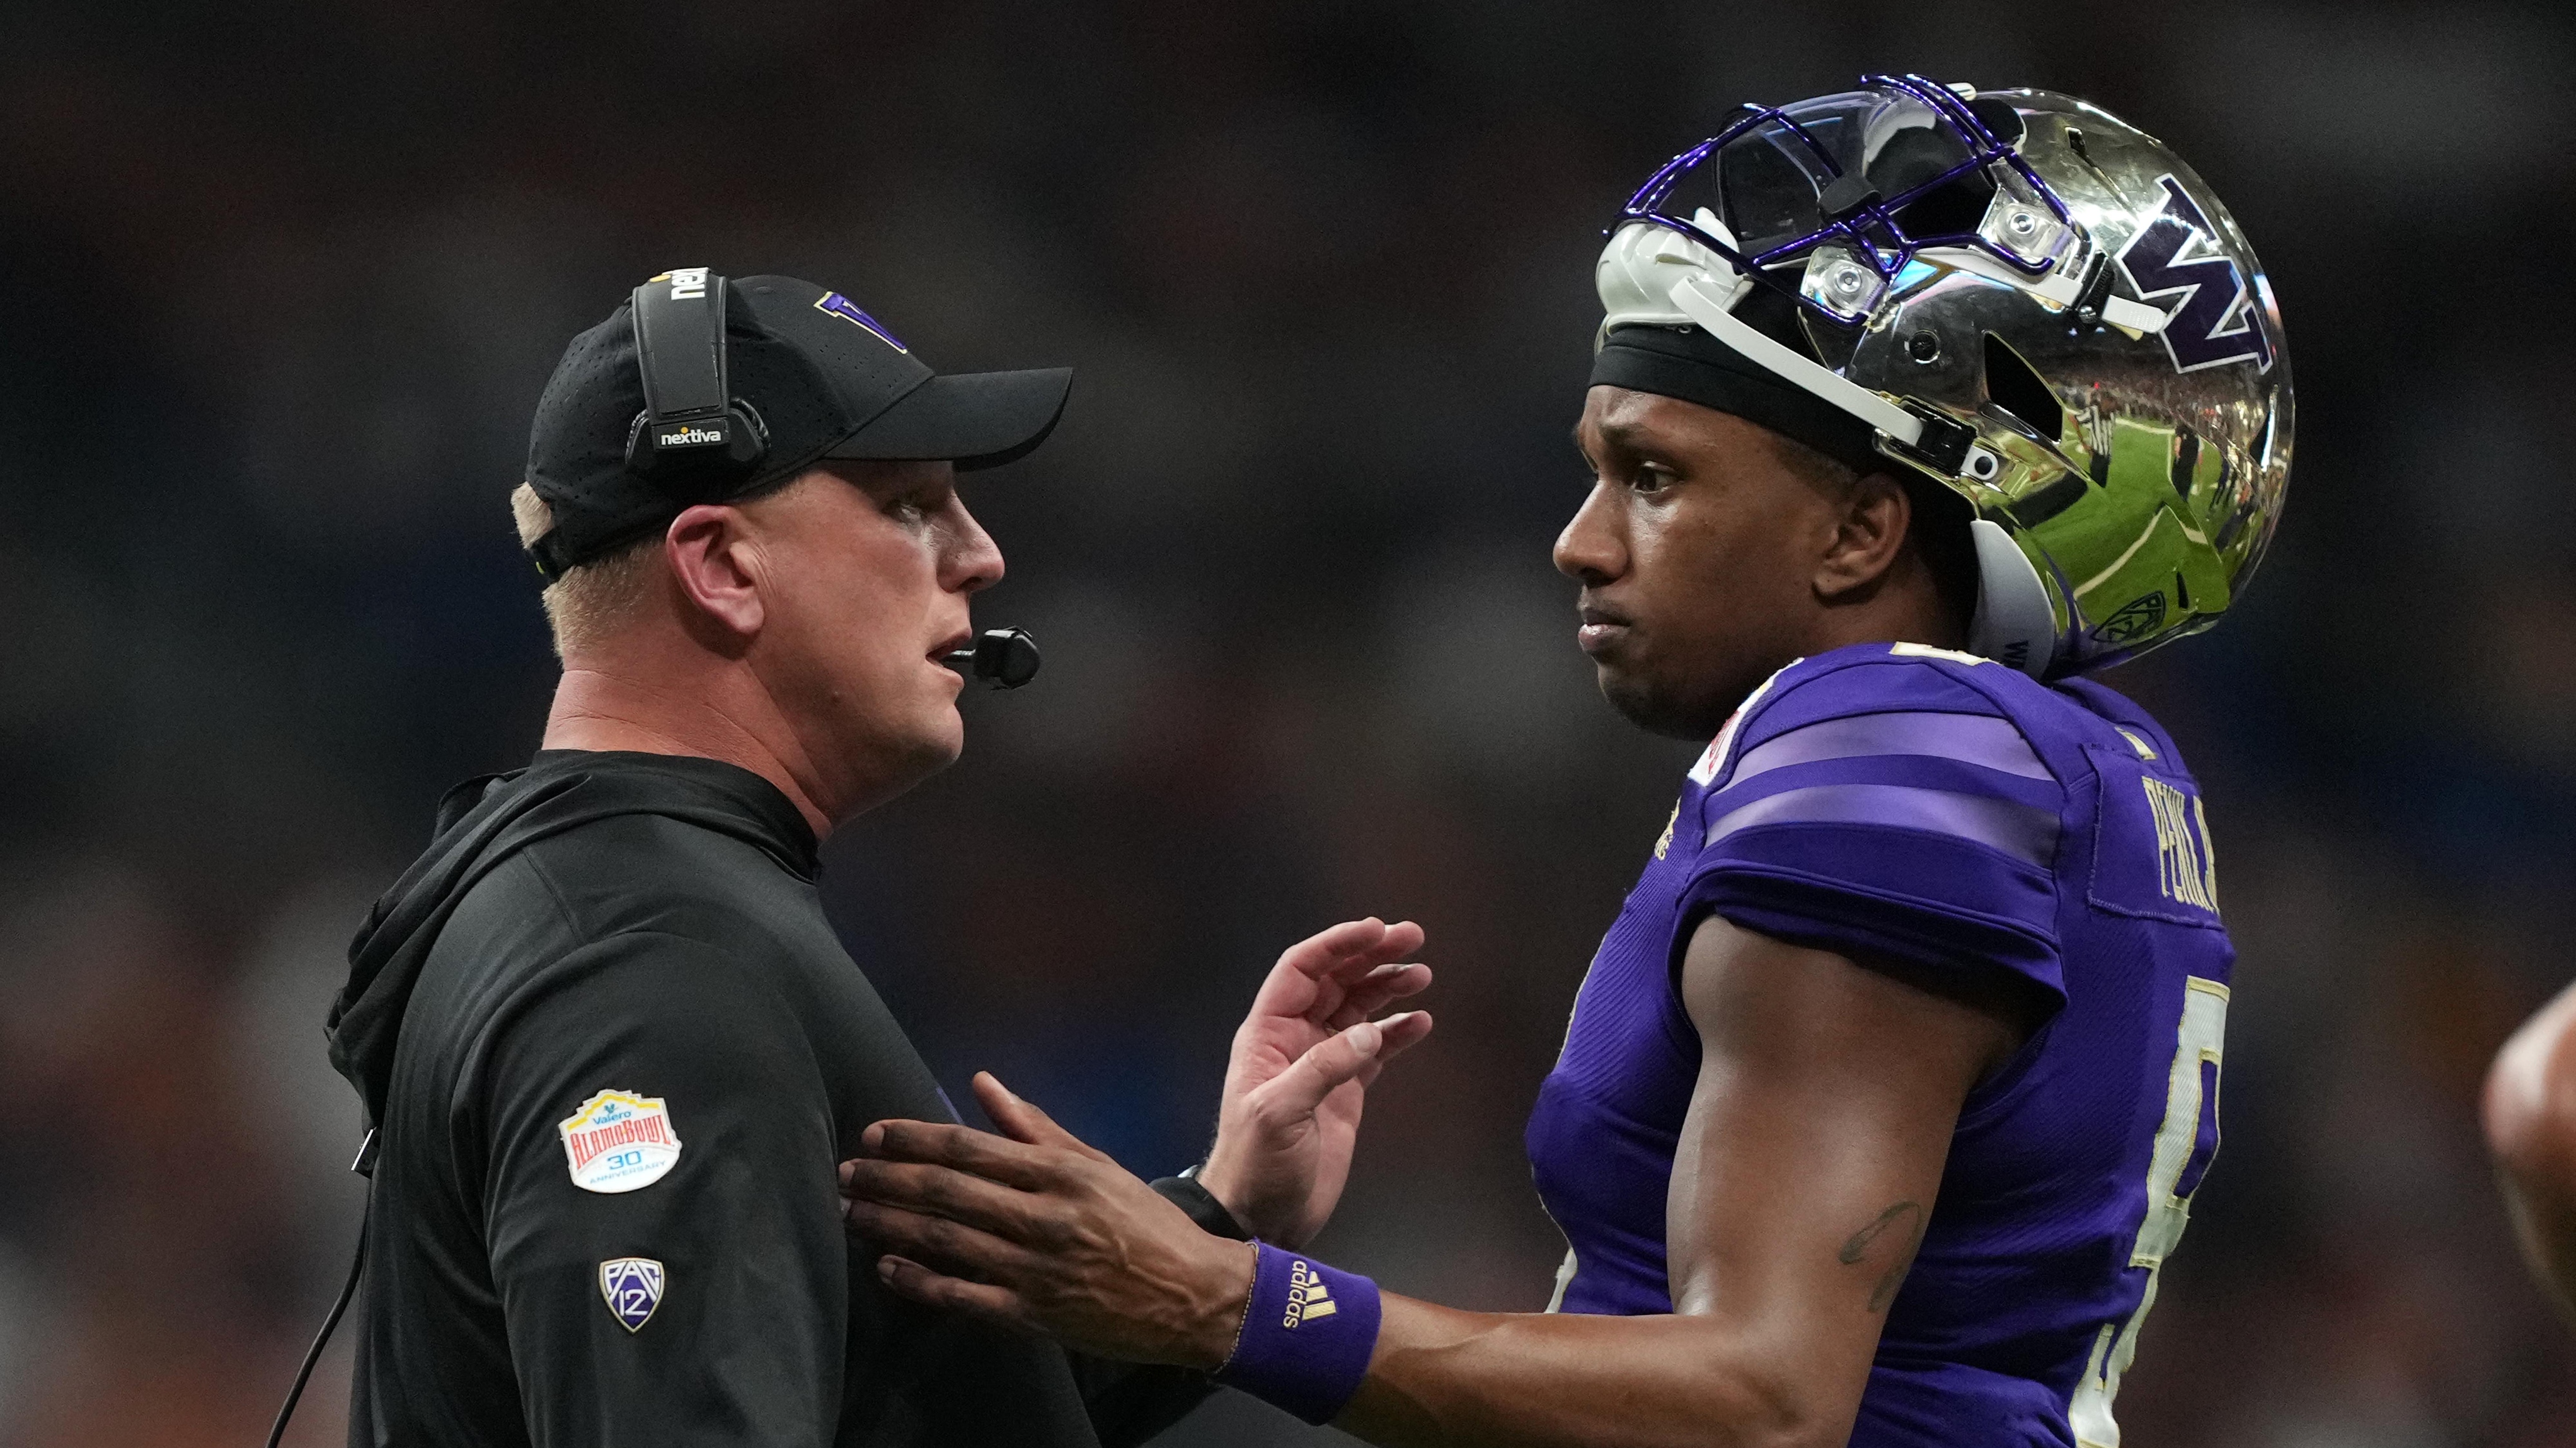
972 560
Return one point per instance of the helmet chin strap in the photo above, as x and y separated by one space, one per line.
1692 295
2013 623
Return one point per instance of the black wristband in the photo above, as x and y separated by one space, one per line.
1203 1207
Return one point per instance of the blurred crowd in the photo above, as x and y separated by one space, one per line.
280 281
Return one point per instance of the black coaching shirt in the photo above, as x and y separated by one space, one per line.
615 1055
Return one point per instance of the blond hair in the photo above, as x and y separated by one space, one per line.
593 600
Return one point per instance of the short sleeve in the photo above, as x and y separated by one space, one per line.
1891 812
661 1213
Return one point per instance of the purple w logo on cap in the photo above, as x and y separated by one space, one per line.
842 307
2177 253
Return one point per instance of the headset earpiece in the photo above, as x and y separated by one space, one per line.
693 430
746 444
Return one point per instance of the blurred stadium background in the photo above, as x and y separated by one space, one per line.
279 283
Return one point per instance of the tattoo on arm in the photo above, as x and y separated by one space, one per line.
1858 1244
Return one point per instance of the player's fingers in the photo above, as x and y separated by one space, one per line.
908 1278
949 1246
942 1192
1023 1121
937 1143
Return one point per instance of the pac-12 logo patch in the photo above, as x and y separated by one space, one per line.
619 1141
632 1287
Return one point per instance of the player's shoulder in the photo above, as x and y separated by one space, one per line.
1900 698
2115 722
1891 801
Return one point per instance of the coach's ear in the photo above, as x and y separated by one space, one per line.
715 568
1869 527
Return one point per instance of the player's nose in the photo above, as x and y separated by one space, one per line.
1590 550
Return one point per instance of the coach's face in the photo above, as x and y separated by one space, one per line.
865 573
1696 549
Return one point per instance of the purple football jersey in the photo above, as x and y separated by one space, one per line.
1908 804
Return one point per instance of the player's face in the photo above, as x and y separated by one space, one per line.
869 574
1696 550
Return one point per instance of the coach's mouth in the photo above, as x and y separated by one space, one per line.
962 639
1601 629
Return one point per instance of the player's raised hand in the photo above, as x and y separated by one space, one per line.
1300 1071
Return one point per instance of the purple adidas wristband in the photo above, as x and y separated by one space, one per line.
1307 1335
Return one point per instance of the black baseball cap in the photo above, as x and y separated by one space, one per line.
821 379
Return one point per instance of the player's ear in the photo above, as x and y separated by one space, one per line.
714 567
1869 532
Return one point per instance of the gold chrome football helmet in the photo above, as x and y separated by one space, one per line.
2028 300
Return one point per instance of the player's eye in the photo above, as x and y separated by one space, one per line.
1651 478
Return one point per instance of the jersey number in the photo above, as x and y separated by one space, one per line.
2184 1145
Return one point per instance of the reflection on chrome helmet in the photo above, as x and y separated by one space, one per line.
2030 301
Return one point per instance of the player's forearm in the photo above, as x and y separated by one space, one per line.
1442 1378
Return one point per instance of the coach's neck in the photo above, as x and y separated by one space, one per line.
735 639
635 697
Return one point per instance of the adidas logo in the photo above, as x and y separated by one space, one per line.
1308 1297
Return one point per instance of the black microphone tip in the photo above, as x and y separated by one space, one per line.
1002 658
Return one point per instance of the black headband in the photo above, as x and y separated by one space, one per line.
1691 365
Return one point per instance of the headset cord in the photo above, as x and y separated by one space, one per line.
313 1354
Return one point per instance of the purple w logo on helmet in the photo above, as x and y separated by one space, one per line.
2177 253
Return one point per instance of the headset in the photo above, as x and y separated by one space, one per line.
693 430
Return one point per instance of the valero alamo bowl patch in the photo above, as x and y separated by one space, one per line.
619 1141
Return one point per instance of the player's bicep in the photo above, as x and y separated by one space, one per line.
1813 1147
660 1211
